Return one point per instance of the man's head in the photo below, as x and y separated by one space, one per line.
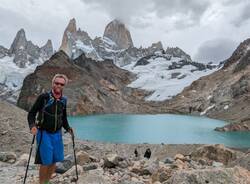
58 82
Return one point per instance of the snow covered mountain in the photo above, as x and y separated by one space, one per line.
116 44
172 68
17 62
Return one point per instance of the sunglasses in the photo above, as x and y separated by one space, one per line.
58 83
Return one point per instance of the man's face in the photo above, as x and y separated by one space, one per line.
58 85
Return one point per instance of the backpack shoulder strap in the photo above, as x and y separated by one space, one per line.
46 97
49 99
64 101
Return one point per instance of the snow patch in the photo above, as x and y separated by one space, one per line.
207 109
209 97
157 78
85 48
11 75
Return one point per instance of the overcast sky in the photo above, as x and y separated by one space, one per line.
208 30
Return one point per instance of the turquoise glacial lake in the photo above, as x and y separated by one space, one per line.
156 129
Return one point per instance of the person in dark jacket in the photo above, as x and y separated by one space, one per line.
147 153
136 153
52 116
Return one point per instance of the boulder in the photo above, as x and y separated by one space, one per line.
112 160
179 156
82 157
218 153
162 175
234 175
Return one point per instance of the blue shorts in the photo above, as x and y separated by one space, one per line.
49 147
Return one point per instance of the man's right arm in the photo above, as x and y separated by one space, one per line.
33 111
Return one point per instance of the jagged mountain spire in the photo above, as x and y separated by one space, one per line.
70 29
117 32
19 42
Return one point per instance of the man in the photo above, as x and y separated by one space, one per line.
52 116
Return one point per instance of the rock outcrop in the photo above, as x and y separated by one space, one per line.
118 33
177 52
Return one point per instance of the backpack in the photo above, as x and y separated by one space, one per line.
48 101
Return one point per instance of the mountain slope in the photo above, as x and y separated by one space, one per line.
94 87
223 94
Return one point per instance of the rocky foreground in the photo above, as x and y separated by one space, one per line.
116 163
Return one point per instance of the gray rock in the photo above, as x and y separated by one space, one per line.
23 160
217 164
82 157
94 179
112 160
243 161
177 52
90 166
9 157
72 171
168 160
132 182
216 152
234 175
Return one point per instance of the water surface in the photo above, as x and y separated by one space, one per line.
159 128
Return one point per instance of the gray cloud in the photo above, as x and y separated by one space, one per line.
215 50
12 21
181 13
192 9
244 15
186 24
122 10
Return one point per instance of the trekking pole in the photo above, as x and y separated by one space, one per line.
73 140
33 140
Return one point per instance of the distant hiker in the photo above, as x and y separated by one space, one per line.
52 116
147 153
136 152
190 109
